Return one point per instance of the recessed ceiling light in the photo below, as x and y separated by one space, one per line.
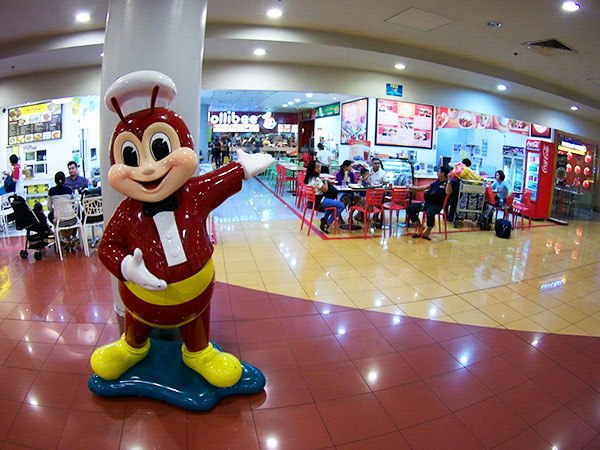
285 105
502 87
570 6
290 103
82 17
400 66
494 24
335 98
274 13
309 95
260 52
575 108
297 100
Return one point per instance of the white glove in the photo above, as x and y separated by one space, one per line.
254 164
134 269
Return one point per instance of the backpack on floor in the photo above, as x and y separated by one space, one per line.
503 228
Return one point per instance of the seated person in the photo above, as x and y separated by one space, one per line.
435 194
312 178
343 177
378 175
58 193
501 188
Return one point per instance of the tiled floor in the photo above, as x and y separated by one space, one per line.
474 342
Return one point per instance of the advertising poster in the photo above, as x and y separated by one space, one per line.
404 124
460 118
540 131
354 120
33 123
327 110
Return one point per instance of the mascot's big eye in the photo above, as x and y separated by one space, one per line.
160 146
131 156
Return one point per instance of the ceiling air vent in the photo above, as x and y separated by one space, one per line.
548 47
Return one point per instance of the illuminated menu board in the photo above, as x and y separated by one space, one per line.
404 124
34 123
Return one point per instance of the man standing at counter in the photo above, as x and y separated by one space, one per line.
75 181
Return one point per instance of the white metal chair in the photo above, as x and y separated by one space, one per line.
92 214
66 217
5 211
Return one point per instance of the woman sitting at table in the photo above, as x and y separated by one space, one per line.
434 202
501 188
312 178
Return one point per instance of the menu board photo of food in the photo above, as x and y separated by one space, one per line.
32 123
540 131
404 124
354 120
460 118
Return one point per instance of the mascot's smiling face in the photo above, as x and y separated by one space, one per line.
151 155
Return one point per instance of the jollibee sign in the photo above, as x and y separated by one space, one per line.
250 121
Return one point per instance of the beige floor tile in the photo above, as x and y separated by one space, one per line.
589 325
279 276
525 324
503 293
359 284
523 289
550 321
402 294
335 299
568 313
545 300
244 278
460 286
452 304
321 287
479 299
574 330
502 313
270 264
475 317
388 309
369 299
423 309
563 294
221 277
448 319
585 306
431 290
524 306
342 274
390 282
289 289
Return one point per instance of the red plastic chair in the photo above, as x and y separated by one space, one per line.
310 197
299 189
399 201
441 215
373 206
522 207
508 204
282 179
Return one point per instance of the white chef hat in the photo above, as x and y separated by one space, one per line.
133 92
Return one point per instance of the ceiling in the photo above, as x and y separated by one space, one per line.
438 40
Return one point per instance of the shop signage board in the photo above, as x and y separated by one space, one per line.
354 120
403 124
393 89
460 118
251 122
34 123
327 110
307 115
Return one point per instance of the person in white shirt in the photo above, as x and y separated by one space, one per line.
378 175
324 157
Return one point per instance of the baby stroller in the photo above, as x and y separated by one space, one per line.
38 231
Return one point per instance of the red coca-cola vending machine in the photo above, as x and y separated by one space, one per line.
539 176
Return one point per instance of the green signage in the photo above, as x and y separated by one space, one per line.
327 110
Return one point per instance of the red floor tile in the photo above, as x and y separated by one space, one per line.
317 350
585 368
361 344
91 431
406 336
268 355
285 387
386 442
442 331
14 329
385 371
529 360
497 374
222 430
593 444
47 422
336 380
53 389
59 313
110 333
6 347
15 383
6 307
382 320
69 358
430 360
355 418
154 431
491 422
84 400
289 307
29 355
563 429
446 432
412 404
46 332
220 311
468 350
238 294
81 334
27 312
143 405
587 406
580 342
8 412
561 384
530 402
92 314
459 389
346 322
261 330
225 332
528 439
304 326
556 348
260 309
289 427
501 341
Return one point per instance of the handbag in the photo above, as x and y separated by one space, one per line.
331 193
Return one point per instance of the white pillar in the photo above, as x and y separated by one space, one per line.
203 142
162 35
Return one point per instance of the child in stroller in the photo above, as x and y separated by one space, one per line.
36 224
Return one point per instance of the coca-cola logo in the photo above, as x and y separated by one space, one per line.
533 145
545 158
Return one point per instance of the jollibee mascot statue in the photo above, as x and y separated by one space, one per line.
156 244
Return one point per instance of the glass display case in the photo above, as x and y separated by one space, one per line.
400 171
513 164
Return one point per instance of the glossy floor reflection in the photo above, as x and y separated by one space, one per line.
473 342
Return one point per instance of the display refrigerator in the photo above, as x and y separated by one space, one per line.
539 176
399 171
513 165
